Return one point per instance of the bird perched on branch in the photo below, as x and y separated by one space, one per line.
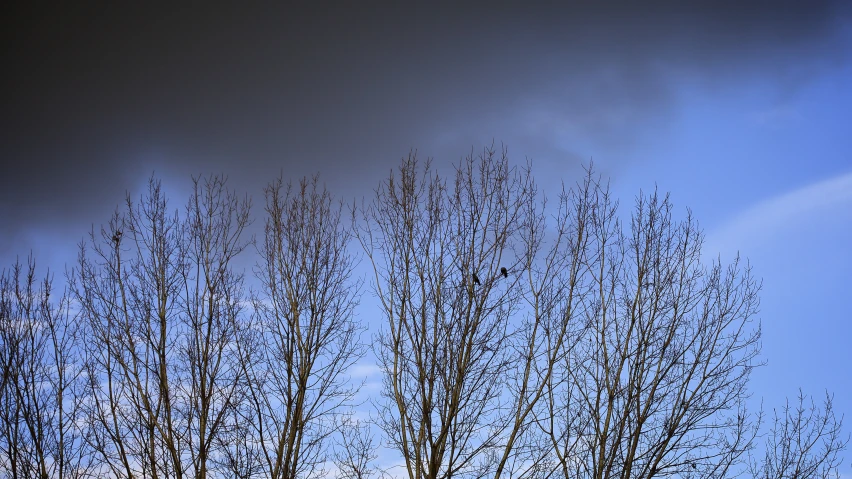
116 237
475 278
504 272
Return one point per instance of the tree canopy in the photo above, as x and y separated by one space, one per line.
516 336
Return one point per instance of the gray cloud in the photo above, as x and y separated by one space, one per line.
95 97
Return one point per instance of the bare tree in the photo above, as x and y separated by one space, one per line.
805 442
356 451
307 337
40 393
657 384
215 221
163 305
128 286
447 347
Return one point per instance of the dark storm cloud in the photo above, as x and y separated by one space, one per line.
95 97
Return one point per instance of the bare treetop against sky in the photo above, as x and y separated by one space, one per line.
740 111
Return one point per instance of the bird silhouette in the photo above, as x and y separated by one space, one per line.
504 272
475 279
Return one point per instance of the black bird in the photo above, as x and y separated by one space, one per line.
475 279
694 466
504 272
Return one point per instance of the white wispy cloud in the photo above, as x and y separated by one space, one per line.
778 115
364 370
783 211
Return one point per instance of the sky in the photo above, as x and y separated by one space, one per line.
741 112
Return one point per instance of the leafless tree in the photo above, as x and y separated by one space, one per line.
356 451
657 383
127 281
448 347
40 393
307 337
215 221
164 307
805 441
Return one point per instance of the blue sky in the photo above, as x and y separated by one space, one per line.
741 113
771 178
